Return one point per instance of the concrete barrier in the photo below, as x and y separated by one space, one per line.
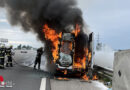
121 79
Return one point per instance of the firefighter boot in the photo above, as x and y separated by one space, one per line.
7 65
11 65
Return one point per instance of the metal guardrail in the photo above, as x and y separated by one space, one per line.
104 75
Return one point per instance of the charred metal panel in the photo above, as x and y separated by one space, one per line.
67 37
66 50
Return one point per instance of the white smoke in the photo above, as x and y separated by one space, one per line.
104 57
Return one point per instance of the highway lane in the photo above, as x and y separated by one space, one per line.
28 58
22 77
76 84
26 78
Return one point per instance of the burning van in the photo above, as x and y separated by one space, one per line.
68 62
72 51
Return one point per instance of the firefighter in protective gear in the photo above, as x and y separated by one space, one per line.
9 55
2 57
38 58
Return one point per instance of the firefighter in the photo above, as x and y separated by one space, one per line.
2 56
38 58
9 55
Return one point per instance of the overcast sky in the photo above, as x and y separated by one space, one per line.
109 18
15 35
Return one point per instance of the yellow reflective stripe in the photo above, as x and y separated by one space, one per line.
1 57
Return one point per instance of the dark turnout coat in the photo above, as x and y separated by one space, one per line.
39 54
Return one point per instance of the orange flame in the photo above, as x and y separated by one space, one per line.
51 35
80 62
88 54
60 78
65 72
85 77
95 77
77 30
70 45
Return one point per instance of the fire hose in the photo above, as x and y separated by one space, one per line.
22 62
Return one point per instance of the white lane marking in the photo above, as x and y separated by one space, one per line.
43 84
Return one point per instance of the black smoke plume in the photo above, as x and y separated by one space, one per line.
31 15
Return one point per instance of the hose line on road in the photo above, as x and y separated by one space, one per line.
22 62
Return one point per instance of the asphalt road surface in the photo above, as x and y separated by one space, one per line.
76 84
20 76
27 58
23 77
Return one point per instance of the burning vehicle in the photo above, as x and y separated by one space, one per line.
70 55
70 49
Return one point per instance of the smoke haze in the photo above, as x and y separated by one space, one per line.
31 15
